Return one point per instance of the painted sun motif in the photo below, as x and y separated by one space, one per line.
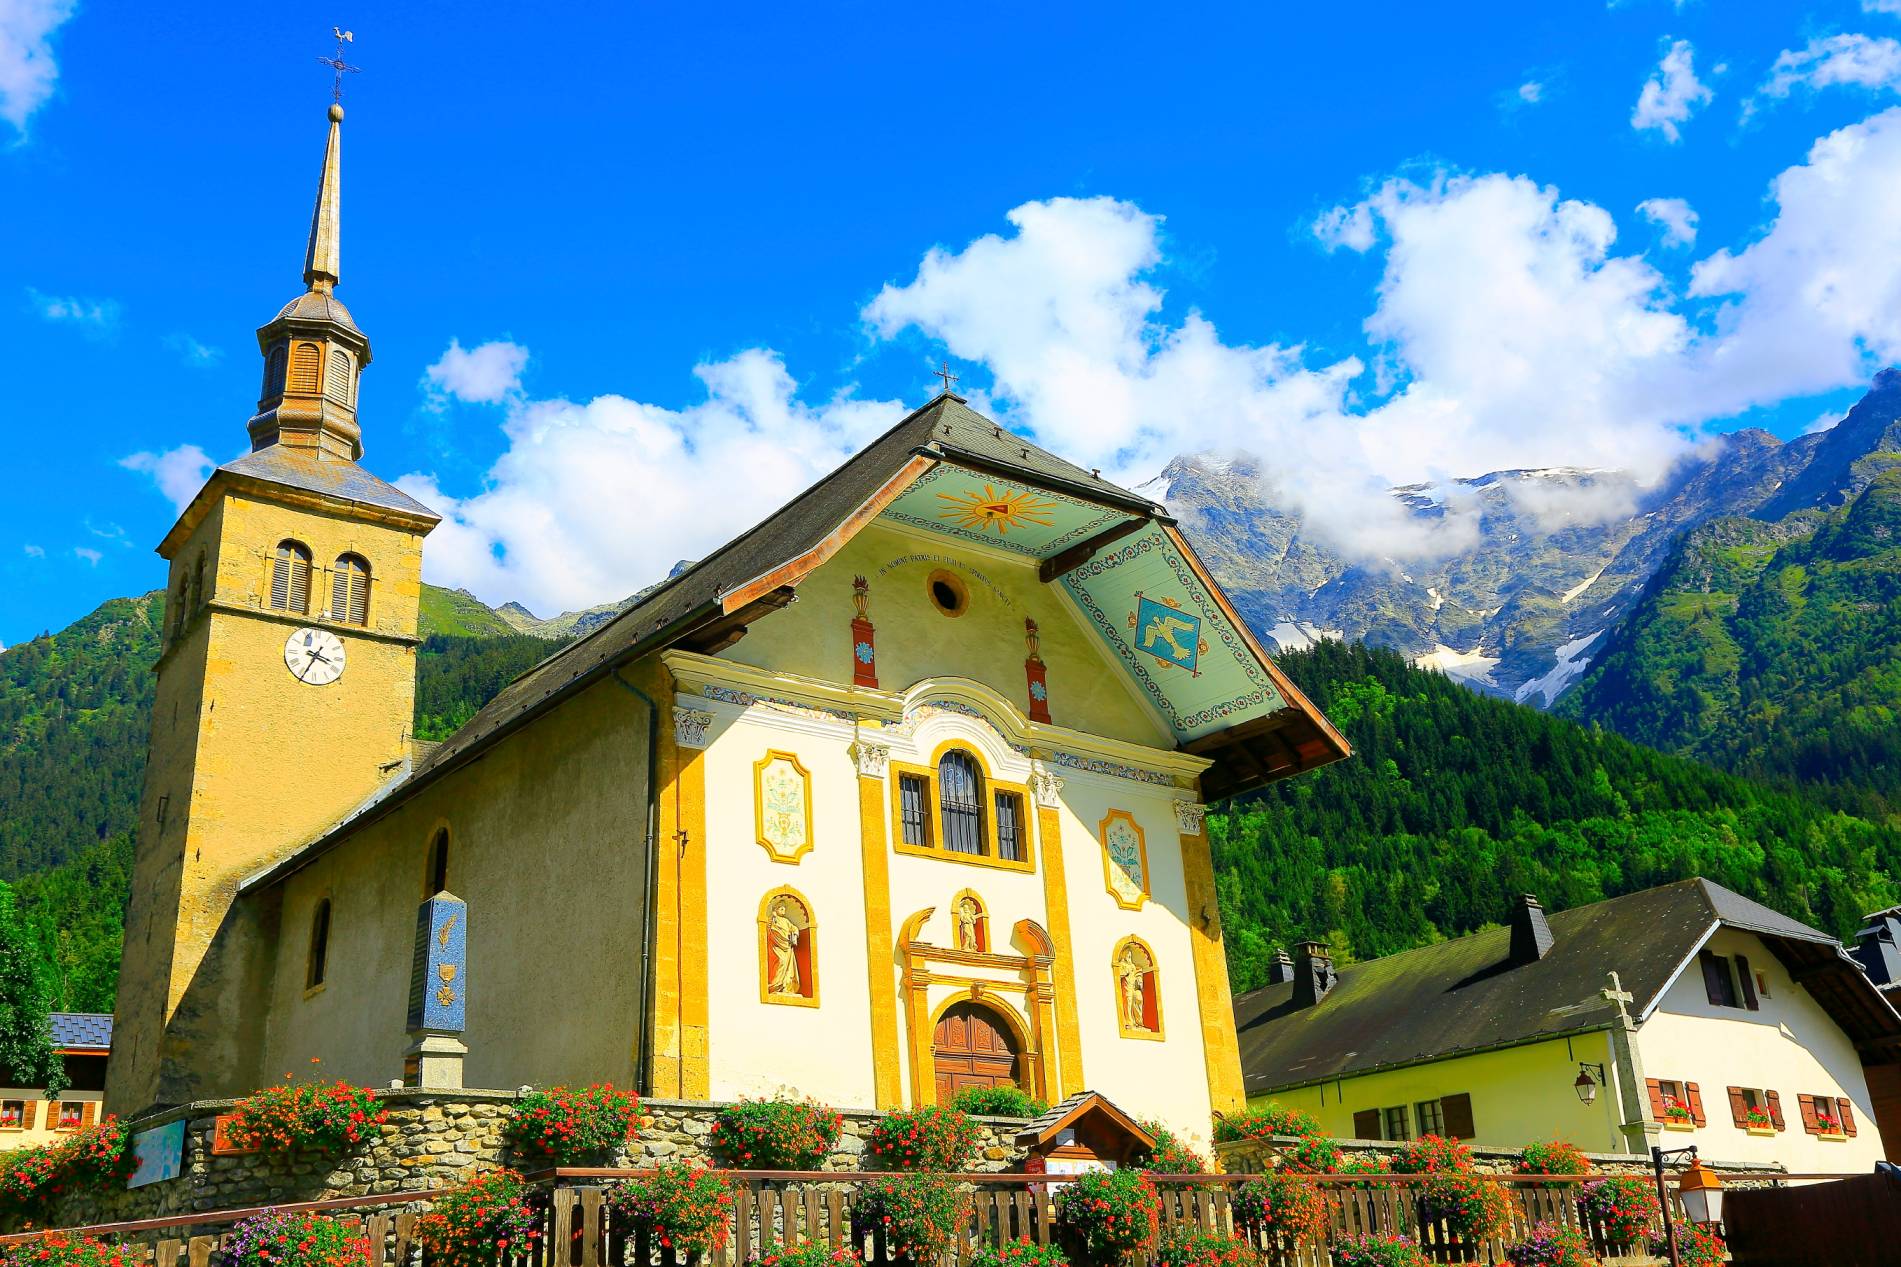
995 511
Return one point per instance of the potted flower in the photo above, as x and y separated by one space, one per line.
810 1254
1697 1246
1170 1156
1553 1158
776 1134
571 1124
1379 1250
480 1224
1757 1122
930 1138
1677 1115
1552 1245
1185 1245
317 1117
1281 1205
686 1208
92 1159
302 1239
1828 1126
1001 1101
1264 1123
1019 1253
1107 1216
65 1249
916 1217
1625 1206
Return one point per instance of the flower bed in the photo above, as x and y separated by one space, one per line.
1105 1216
810 1254
1020 1253
1554 1158
302 1239
1378 1251
568 1124
479 1224
930 1138
687 1208
1282 1205
319 1117
917 1215
1552 1245
1263 1123
776 1134
61 1249
1185 1245
1624 1205
1431 1154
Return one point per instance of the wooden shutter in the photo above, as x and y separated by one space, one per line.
280 580
1748 983
27 1117
1656 1098
1716 982
306 360
1809 1123
1738 1107
1775 1109
336 384
1844 1110
1366 1124
299 581
86 1110
1457 1112
1693 1100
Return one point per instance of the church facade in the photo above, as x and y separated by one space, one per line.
899 792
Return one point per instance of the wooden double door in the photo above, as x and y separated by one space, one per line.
973 1047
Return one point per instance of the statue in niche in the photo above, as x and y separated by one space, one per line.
782 942
969 916
1132 980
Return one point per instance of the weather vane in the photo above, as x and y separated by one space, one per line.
337 64
944 372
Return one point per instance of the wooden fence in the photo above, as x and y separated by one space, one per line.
773 1208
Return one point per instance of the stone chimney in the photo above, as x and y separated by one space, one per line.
1313 973
1531 935
1280 969
1878 947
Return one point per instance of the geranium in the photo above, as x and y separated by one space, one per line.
1827 1123
1362 1164
302 1239
1431 1154
480 1224
688 1208
1696 1247
1313 1155
930 1137
63 1249
1020 1253
1554 1158
1623 1205
999 1101
90 1159
1108 1215
1471 1206
1552 1245
1381 1250
321 1117
1281 1204
1758 1119
1170 1156
1675 1110
568 1124
1262 1123
917 1216
1185 1245
776 1134
811 1254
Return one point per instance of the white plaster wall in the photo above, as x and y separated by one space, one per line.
1790 1046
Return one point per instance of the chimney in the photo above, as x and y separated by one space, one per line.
1878 947
1531 935
1280 969
1313 973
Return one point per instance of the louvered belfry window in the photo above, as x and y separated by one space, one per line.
914 809
305 361
960 802
350 590
290 577
336 385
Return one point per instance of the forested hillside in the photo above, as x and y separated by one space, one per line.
1455 803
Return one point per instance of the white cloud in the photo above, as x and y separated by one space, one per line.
178 473
486 374
94 317
592 501
1857 61
34 552
193 353
1674 216
1672 94
88 555
1531 92
1349 227
27 68
1881 6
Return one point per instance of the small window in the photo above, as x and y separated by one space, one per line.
1762 985
1393 1126
914 810
305 363
200 593
1431 1119
319 945
1010 827
12 1115
336 384
350 590
960 802
72 1115
274 372
290 577
948 593
436 878
1718 982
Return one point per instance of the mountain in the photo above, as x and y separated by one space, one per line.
1526 607
1455 803
459 613
1772 649
574 624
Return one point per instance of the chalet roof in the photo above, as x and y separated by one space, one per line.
1261 730
1464 995
82 1031
1040 1130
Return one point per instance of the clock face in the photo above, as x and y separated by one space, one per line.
314 656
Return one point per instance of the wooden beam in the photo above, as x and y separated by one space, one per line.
725 631
1234 734
1080 553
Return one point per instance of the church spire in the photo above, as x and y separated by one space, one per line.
322 261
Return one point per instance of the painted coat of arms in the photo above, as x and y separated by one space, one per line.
1166 632
783 792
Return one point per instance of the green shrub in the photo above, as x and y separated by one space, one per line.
776 1134
1261 1123
929 1138
918 1216
998 1102
570 1124
1021 1253
1313 1155
89 1160
688 1208
1106 1216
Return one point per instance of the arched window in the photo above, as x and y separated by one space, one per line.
436 878
274 372
960 802
336 384
1137 990
319 945
788 950
350 590
290 577
306 359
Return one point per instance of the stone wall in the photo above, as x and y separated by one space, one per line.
433 1139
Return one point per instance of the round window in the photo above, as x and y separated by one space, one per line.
947 592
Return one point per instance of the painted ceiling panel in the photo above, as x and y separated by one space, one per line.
975 507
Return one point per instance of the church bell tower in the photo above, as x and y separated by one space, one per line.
285 688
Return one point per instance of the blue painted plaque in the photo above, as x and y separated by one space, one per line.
157 1154
1167 633
439 981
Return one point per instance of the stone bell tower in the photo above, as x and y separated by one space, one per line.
285 688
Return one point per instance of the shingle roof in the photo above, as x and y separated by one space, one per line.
74 1031
331 477
1462 995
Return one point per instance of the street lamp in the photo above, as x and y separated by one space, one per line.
1586 1086
1702 1194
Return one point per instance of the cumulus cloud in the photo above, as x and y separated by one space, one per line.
1847 60
486 374
1881 6
1671 95
27 68
1674 216
178 473
93 317
593 500
1349 227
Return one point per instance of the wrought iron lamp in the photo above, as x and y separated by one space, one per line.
1586 1086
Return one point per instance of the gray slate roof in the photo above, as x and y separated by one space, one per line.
1462 995
331 477
80 1030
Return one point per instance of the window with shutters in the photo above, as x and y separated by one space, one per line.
318 965
1675 1103
1718 983
72 1115
290 578
350 590
306 364
1393 1123
274 372
1755 1109
953 809
336 384
12 1115
1366 1124
1828 1116
1431 1119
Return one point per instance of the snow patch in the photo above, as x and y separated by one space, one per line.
1571 594
1438 599
1297 635
1571 662
1469 666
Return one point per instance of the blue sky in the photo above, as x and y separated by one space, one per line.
634 274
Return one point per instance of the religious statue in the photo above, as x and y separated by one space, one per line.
1132 980
968 916
782 940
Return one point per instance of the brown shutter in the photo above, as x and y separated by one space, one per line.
1693 1100
1809 1123
86 1109
1748 982
1656 1098
305 366
32 1112
280 581
1456 1111
1775 1109
1844 1110
299 581
1738 1107
1366 1124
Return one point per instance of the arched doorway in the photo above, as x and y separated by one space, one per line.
974 1047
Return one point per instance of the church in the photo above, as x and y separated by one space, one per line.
897 793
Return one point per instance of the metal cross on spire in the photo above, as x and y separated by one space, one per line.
337 64
944 372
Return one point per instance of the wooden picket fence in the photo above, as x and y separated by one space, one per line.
776 1208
